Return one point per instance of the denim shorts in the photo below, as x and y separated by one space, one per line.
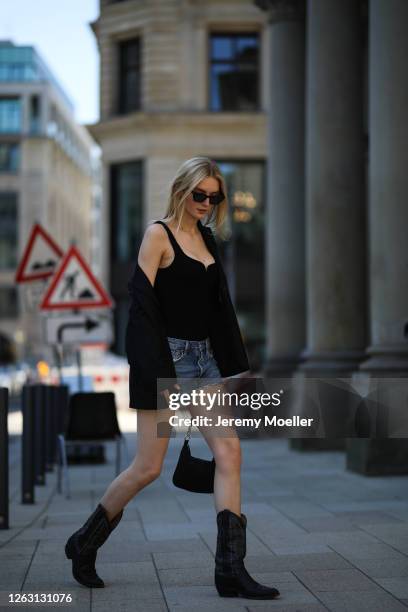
194 359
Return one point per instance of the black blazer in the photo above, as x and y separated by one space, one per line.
147 348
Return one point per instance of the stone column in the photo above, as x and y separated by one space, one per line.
388 167
285 270
335 193
388 223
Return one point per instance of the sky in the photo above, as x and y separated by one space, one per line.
60 32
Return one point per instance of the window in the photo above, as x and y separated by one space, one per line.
126 215
10 115
126 210
129 76
243 254
8 303
8 230
9 156
234 72
35 114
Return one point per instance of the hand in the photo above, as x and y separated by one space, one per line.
166 392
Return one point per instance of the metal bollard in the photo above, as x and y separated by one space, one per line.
57 420
62 401
27 463
4 460
39 392
50 427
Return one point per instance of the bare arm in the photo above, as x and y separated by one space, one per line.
151 251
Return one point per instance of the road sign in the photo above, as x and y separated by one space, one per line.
78 329
74 286
33 293
41 256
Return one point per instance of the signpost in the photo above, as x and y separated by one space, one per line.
62 288
74 286
78 328
40 257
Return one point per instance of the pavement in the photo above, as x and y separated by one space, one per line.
328 539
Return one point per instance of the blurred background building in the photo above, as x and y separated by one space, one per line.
47 174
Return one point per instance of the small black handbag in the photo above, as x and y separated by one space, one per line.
191 473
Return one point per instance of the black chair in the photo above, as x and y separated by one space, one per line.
91 418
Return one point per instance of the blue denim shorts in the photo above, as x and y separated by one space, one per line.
194 359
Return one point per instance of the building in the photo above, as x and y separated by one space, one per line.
179 79
337 210
45 176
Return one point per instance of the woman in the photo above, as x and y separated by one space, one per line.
182 324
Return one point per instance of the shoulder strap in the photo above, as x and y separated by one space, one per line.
172 239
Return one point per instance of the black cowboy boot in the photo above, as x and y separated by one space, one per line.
231 577
81 547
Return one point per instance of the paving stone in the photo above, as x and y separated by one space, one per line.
198 515
318 561
383 568
365 551
363 506
126 605
362 519
293 548
279 606
129 581
293 509
12 574
360 601
191 576
336 580
172 546
179 560
354 537
395 586
326 524
170 531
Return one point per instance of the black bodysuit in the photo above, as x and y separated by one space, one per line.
187 292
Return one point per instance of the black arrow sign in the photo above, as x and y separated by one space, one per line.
88 324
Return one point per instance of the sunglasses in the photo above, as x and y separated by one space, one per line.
215 199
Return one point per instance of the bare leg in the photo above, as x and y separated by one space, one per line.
227 478
225 446
145 467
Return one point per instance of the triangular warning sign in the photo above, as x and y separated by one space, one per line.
74 286
40 258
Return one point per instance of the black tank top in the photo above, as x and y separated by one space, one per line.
187 292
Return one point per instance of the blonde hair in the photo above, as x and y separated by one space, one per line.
188 176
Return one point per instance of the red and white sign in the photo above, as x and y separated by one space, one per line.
41 256
74 286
